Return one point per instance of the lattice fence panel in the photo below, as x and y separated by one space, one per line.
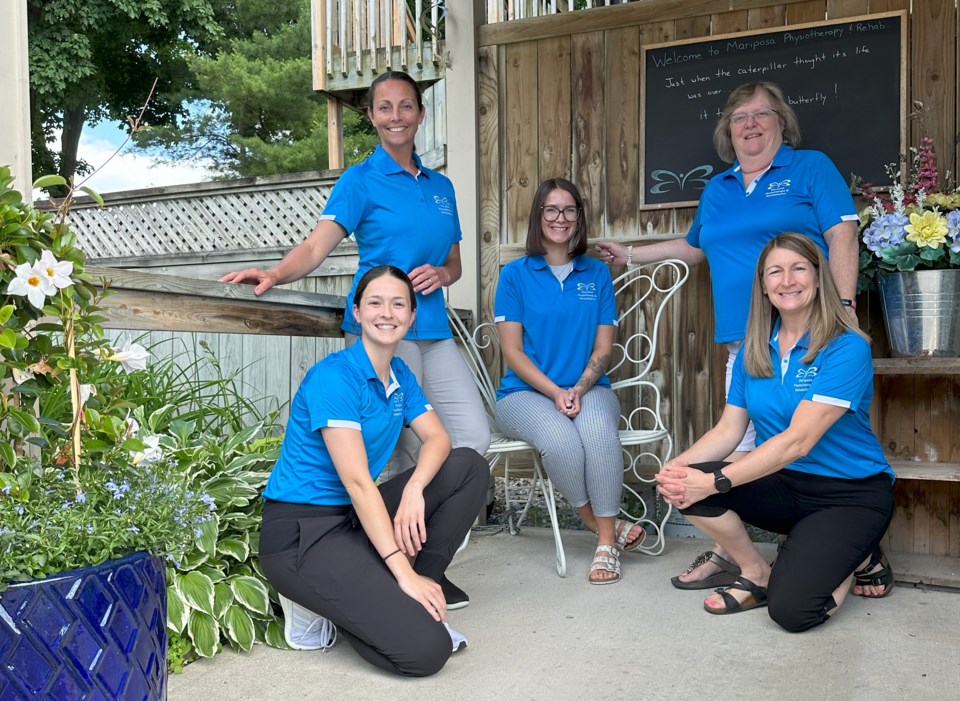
224 219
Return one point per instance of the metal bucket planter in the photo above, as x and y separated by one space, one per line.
921 310
94 633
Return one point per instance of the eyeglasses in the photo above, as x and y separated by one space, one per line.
551 213
742 118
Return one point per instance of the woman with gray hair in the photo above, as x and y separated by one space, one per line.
771 187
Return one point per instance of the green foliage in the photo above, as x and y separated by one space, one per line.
253 110
167 462
97 59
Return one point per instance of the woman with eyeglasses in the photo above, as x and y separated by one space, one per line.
556 315
772 186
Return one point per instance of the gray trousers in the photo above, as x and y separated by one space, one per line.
446 381
582 456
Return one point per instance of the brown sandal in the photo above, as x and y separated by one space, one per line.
721 579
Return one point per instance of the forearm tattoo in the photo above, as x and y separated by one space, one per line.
595 368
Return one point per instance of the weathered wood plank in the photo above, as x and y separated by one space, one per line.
488 197
553 65
589 103
519 122
621 206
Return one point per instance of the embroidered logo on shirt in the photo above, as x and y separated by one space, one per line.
778 188
397 398
587 291
804 378
444 205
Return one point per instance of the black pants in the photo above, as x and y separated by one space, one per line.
321 558
832 525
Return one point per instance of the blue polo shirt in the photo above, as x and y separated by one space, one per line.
559 320
840 375
341 391
400 220
802 191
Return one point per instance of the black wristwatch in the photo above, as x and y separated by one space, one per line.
721 482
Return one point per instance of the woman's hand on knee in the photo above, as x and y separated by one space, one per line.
427 592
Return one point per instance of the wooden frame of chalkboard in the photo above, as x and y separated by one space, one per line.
846 80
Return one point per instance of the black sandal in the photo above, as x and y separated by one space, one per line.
881 578
720 579
757 598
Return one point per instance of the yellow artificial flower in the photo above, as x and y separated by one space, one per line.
927 229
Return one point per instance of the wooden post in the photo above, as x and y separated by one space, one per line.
335 158
15 86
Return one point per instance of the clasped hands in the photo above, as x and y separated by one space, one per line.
567 401
682 486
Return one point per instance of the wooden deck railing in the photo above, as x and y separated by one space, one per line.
361 38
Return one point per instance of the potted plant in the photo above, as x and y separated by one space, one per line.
910 250
90 503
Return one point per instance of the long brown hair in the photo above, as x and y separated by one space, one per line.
828 317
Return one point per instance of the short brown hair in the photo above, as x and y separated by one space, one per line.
578 244
789 125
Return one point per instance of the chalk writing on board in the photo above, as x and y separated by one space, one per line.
844 79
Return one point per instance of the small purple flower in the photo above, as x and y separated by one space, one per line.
208 500
19 510
133 529
81 498
953 230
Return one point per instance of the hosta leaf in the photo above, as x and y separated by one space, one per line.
204 633
239 627
252 593
196 590
274 635
222 599
177 611
231 547
207 543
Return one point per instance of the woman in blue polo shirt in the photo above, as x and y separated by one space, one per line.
772 186
556 315
818 474
404 214
370 558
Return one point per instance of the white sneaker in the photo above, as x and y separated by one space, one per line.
458 639
305 630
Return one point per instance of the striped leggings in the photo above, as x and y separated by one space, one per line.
582 456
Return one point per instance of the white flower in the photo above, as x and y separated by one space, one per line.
151 452
132 356
87 391
132 427
21 376
31 281
56 272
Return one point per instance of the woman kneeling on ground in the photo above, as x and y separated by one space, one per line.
370 559
818 474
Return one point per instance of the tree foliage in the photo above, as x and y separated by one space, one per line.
252 108
97 59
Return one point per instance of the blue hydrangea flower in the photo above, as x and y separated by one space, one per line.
953 230
885 231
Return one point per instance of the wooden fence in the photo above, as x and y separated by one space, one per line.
561 95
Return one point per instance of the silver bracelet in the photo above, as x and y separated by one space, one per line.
630 254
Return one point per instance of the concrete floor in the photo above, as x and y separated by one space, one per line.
533 635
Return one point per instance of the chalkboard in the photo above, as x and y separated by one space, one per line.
845 80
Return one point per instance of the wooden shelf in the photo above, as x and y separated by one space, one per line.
933 570
926 471
916 366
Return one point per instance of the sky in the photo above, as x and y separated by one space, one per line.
130 169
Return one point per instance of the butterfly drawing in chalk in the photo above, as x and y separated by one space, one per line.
667 179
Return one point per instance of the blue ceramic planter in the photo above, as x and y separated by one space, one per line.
95 633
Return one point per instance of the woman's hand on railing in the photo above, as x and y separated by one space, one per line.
263 279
